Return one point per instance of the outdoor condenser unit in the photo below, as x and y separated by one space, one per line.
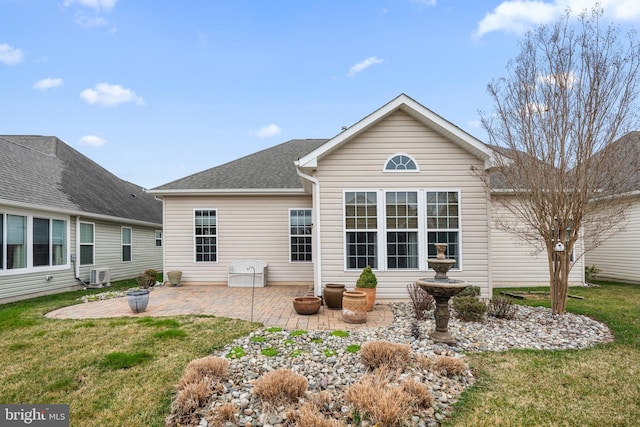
99 278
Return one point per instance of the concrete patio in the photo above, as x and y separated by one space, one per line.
272 306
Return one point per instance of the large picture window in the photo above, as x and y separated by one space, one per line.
300 228
87 244
401 234
206 232
361 224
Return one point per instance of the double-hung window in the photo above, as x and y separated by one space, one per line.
126 244
402 229
49 242
87 243
15 253
361 225
206 235
300 235
158 238
443 223
397 230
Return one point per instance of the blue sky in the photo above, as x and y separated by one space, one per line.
157 90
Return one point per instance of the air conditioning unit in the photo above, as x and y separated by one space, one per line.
99 278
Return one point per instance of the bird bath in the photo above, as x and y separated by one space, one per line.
442 289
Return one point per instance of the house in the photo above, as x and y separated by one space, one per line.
317 211
616 255
64 219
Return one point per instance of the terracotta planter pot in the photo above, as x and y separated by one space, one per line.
354 307
307 305
371 296
333 295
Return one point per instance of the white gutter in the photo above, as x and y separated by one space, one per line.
72 212
317 285
228 192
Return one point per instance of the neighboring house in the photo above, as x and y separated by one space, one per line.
62 216
617 255
380 193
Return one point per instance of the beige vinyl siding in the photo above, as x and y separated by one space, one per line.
516 263
358 166
617 256
248 227
108 250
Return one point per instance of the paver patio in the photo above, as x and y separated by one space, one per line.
272 306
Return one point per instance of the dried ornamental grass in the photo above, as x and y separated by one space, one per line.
383 403
280 386
214 368
420 394
449 365
375 354
309 415
188 401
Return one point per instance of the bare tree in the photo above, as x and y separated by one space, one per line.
569 96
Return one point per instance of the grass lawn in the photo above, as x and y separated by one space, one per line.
122 372
599 386
112 372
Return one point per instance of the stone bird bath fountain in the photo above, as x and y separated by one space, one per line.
442 289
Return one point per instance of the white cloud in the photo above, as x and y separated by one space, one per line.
47 83
360 66
424 2
474 124
267 131
91 21
93 4
518 16
110 95
94 141
10 55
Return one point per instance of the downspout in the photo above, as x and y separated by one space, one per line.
316 213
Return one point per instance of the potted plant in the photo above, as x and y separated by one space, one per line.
367 283
174 277
138 298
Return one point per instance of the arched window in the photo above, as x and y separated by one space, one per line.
401 162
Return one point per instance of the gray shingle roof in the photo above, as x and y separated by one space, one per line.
44 171
272 168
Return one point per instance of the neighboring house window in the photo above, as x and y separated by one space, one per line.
402 229
16 242
158 238
87 243
400 162
1 241
126 244
443 223
49 242
361 225
300 234
206 232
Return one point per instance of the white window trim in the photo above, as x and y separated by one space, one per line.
385 170
298 235
193 224
155 241
30 268
80 244
422 227
122 244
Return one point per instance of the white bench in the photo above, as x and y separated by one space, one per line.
241 274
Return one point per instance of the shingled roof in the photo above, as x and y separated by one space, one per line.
269 169
44 171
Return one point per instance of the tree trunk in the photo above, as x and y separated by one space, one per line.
560 282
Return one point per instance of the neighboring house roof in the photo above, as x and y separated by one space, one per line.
269 170
415 110
43 171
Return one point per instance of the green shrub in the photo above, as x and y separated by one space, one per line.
469 308
367 279
470 291
339 333
590 272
